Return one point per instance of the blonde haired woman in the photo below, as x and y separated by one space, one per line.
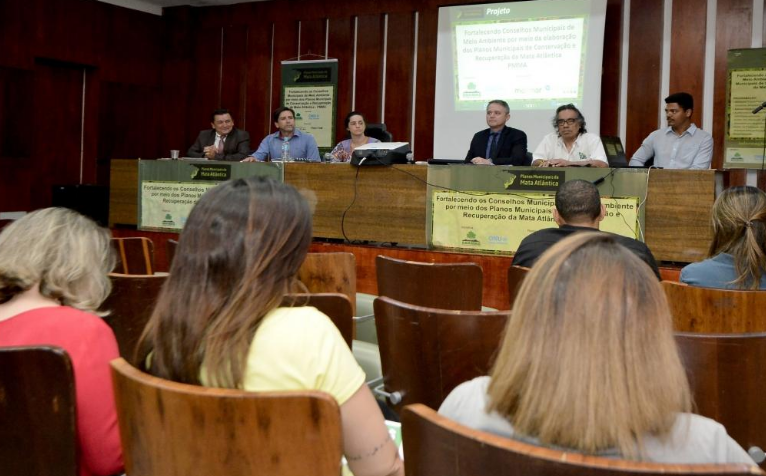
737 255
592 372
53 276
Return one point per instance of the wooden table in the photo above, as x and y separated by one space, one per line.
388 204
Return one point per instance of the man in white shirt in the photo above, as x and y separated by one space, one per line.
571 144
681 145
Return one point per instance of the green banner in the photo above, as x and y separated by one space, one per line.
491 209
310 88
745 90
168 189
499 221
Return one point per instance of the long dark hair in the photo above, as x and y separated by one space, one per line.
237 257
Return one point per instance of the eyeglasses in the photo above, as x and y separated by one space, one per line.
569 122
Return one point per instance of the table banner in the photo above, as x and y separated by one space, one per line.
497 222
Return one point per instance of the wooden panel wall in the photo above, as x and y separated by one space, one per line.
736 33
151 82
687 54
79 81
643 71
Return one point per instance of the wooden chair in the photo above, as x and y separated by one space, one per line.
456 286
516 275
174 429
335 305
330 273
433 444
727 374
130 305
38 432
135 255
427 352
715 310
171 246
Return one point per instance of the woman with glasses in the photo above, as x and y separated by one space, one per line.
571 144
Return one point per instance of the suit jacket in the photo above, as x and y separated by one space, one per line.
511 147
235 147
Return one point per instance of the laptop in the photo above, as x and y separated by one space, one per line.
615 153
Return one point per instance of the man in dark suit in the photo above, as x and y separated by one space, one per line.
500 144
223 141
578 208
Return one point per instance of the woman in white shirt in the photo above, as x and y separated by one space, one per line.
589 364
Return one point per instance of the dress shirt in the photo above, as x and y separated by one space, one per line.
302 146
587 146
693 149
218 139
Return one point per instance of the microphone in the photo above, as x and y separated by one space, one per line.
758 109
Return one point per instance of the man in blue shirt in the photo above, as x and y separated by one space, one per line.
300 145
681 145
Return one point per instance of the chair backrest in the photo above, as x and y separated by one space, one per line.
330 273
427 352
378 131
455 286
174 429
516 275
130 305
171 246
135 255
727 375
715 310
38 433
433 444
335 305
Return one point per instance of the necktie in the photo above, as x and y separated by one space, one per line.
492 145
220 145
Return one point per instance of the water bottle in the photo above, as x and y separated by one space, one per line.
285 149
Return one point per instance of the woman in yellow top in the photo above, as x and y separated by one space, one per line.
218 320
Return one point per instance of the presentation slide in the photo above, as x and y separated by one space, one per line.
535 55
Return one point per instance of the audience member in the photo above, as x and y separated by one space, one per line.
577 208
737 255
595 370
288 143
53 276
218 320
355 125
500 144
223 141
571 144
681 145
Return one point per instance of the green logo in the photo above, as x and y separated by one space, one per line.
470 239
508 183
471 86
195 172
168 216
